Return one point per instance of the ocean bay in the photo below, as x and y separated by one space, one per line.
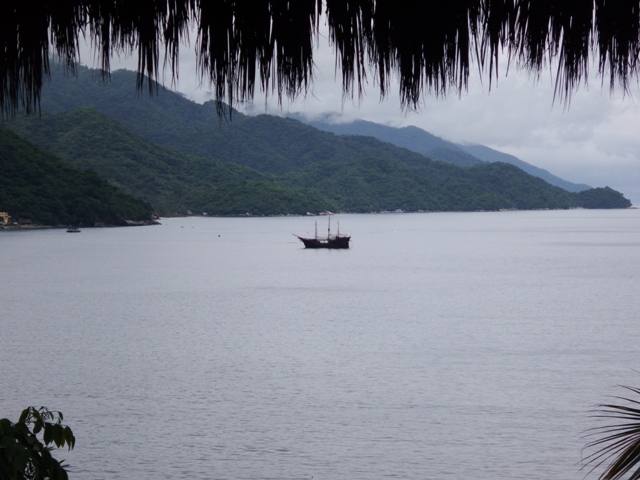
445 345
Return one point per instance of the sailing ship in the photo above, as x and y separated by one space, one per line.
330 241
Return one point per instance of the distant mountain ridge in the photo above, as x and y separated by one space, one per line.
181 156
411 138
490 155
421 141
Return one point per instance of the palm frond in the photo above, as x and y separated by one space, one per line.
617 444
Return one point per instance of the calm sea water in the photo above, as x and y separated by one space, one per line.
442 346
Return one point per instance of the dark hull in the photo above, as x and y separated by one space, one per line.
336 242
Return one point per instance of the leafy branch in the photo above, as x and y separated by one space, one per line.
23 456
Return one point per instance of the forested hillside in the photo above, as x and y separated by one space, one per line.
266 143
38 186
411 138
420 141
179 156
376 183
489 155
170 181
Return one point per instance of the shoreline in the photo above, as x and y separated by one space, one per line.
145 223
36 226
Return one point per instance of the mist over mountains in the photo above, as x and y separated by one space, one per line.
421 141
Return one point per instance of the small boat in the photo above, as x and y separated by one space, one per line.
330 241
73 230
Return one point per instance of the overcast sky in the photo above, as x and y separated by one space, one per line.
596 140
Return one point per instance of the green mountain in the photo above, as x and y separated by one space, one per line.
170 181
39 186
411 138
490 155
420 141
266 143
378 183
179 155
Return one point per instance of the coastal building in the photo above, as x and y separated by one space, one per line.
5 218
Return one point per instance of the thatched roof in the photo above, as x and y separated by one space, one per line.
241 43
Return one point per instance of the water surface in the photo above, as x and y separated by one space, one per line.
452 345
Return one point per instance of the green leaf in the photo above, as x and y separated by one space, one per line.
48 433
69 437
58 435
24 415
31 439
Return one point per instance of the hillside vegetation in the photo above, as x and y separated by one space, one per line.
38 186
489 155
420 141
179 156
170 181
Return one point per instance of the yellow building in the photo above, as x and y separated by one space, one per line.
5 217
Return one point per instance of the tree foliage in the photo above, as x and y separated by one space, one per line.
170 181
269 44
25 453
176 155
314 173
39 186
602 197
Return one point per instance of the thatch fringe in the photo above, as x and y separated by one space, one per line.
429 45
